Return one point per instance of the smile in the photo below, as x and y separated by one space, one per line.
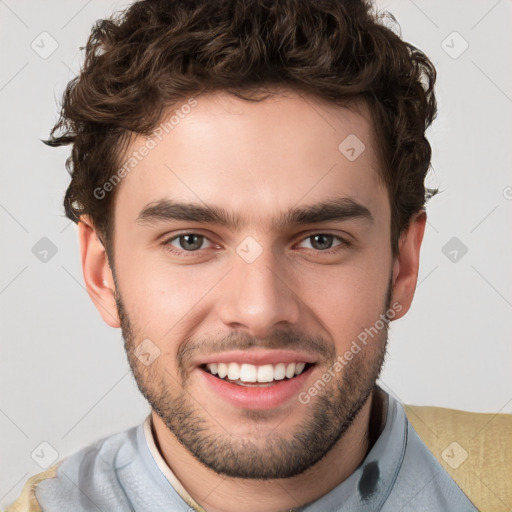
256 387
243 374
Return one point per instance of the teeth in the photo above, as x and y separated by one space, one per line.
222 369
233 371
265 373
279 371
251 373
248 373
299 368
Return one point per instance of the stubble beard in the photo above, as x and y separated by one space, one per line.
328 416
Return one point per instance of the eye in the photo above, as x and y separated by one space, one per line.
324 242
189 243
186 242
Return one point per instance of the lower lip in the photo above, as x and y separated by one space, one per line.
257 397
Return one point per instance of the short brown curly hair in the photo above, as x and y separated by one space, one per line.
154 54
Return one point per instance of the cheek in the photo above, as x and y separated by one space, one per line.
162 299
348 310
168 302
348 300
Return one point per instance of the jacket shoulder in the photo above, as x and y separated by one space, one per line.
474 449
27 501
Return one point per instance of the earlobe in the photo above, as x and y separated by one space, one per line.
98 277
406 264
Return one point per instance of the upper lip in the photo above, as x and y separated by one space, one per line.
259 357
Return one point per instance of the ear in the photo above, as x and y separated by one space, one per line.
98 277
407 262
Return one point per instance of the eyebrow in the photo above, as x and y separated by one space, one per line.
339 209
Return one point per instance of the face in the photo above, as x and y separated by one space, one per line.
246 237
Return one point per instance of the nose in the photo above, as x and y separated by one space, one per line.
258 296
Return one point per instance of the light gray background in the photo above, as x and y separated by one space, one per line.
64 375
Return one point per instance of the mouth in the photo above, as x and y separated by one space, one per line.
249 375
256 387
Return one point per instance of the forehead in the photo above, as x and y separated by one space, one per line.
255 158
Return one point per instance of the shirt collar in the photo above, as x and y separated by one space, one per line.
366 489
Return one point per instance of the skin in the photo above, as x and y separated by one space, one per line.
256 160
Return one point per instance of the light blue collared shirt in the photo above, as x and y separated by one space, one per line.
120 473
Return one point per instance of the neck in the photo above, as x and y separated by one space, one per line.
218 493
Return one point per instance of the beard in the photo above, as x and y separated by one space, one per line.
328 415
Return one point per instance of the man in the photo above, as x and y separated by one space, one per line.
248 183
